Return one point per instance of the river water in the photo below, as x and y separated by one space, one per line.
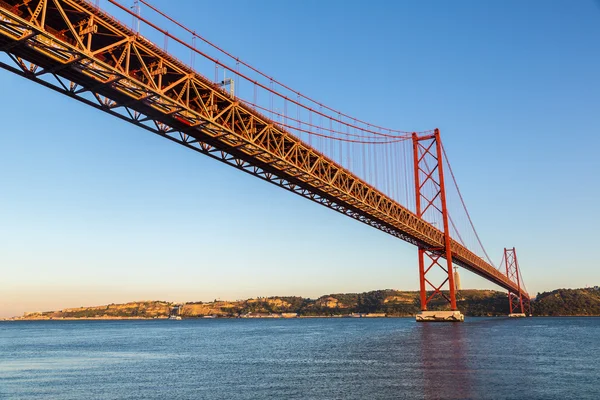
483 358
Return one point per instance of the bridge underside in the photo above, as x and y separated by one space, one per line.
77 50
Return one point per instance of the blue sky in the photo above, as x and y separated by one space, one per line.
94 210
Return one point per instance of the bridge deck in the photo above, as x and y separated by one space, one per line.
83 52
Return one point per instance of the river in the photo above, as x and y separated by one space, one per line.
388 358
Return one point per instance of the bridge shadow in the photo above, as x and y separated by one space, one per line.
444 357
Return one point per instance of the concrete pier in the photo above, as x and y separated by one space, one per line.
516 315
440 316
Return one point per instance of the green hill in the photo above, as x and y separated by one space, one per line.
564 302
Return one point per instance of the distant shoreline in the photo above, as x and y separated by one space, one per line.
387 303
264 318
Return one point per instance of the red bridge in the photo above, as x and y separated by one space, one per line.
258 125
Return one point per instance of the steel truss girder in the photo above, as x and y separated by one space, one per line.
156 127
91 54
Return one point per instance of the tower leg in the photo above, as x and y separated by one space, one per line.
423 292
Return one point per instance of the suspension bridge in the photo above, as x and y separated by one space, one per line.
399 182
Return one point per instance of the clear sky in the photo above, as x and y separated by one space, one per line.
94 210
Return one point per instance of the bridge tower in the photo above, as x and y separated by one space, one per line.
430 192
516 302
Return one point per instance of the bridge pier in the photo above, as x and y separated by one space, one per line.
516 315
440 316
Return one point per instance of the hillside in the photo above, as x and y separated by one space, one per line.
140 309
389 302
393 303
564 302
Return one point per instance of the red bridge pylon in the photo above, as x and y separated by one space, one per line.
430 194
517 303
